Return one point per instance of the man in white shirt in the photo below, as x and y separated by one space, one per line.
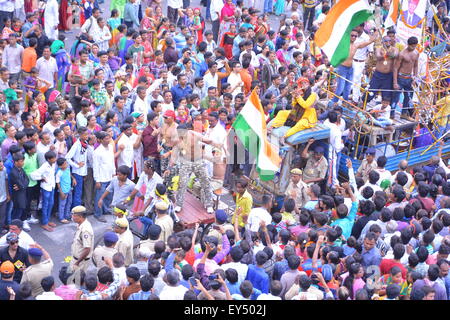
51 18
215 10
151 186
90 27
218 135
275 291
402 166
103 36
373 182
140 105
104 170
359 61
384 174
25 240
167 102
298 45
6 11
53 124
257 215
127 144
235 80
335 147
248 48
173 290
12 57
77 158
44 146
47 175
236 255
210 43
47 67
212 76
48 284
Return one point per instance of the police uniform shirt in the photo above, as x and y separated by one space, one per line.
148 245
217 234
301 197
125 246
166 224
315 169
35 273
365 168
102 253
84 238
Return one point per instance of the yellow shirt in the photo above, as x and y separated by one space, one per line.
288 217
246 203
444 111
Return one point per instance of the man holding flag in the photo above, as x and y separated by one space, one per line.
345 69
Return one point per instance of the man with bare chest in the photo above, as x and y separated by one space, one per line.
169 137
188 154
345 69
405 68
382 78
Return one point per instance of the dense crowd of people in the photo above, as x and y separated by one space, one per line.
139 108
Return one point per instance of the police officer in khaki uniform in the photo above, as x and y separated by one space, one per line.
103 255
163 220
297 189
41 267
125 243
367 165
316 166
83 241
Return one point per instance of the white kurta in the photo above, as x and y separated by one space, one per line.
335 147
129 156
51 17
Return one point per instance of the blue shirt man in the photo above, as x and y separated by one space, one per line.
241 37
181 90
257 275
370 254
180 39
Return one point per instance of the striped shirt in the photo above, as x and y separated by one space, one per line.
310 3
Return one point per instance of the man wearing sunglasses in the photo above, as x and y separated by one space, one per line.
345 69
15 254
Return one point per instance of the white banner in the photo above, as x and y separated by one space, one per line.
411 20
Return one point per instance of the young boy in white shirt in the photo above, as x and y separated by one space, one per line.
46 173
381 115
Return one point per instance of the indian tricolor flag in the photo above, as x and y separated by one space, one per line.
250 127
333 36
391 19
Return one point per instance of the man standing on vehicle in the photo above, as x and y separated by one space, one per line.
405 69
189 155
